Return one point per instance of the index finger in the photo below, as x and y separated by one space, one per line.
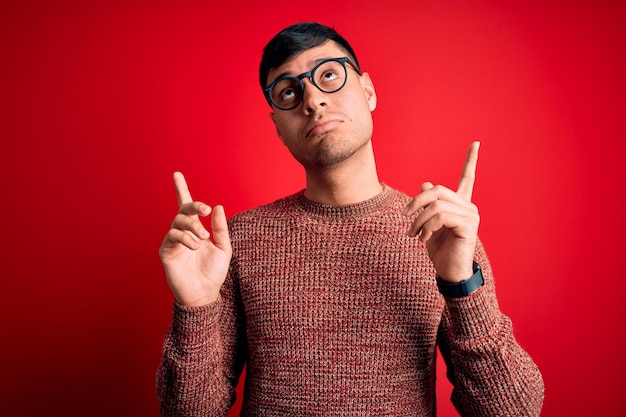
468 176
182 191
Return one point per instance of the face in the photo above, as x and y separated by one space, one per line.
325 128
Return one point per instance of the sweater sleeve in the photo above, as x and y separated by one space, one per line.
491 374
203 356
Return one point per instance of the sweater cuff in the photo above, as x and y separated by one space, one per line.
194 326
474 315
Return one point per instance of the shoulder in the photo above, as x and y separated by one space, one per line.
397 198
277 209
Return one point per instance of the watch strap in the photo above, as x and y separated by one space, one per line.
462 288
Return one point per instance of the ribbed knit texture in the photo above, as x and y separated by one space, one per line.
336 313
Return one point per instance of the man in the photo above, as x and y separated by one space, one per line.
335 298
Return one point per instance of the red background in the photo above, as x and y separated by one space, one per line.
100 103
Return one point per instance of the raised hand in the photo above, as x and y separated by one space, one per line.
195 265
448 222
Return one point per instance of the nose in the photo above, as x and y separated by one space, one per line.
312 97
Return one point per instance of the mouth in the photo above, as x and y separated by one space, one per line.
321 128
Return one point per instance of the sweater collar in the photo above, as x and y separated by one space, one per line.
362 208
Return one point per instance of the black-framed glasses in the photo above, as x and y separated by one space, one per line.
329 76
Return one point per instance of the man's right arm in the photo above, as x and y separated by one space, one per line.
199 368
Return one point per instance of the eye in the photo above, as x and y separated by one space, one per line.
287 94
286 90
328 75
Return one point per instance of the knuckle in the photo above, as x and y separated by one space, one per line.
173 235
440 218
179 220
437 206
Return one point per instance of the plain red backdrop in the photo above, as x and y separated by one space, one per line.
101 102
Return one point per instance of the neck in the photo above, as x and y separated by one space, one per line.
351 181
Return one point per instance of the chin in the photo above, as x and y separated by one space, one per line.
327 160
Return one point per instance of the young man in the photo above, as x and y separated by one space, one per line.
335 298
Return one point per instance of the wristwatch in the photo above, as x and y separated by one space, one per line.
463 288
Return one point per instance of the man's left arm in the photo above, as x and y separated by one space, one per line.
492 374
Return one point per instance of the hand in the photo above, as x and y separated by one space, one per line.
195 265
448 223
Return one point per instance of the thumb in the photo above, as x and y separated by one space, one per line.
219 226
427 186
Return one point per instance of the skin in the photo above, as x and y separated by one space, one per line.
195 265
448 222
330 136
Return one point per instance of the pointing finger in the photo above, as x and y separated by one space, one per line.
182 190
466 183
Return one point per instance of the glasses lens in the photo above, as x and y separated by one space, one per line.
330 76
286 93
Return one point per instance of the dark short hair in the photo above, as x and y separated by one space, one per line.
295 39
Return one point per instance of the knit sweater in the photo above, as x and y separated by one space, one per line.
335 312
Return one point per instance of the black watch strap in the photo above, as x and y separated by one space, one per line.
463 288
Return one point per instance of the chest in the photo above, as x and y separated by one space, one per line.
339 281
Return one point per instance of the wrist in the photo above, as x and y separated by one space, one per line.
196 301
455 276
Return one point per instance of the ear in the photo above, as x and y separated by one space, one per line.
280 136
368 88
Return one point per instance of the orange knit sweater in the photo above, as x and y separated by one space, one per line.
335 312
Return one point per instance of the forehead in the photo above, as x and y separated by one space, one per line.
306 60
